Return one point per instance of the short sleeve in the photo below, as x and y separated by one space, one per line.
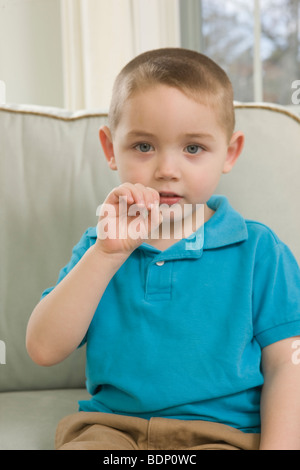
276 295
87 240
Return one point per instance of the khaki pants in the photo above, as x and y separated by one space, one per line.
102 431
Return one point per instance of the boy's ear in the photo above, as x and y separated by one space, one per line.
234 150
107 145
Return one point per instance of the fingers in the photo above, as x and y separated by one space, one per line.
129 215
134 199
135 194
151 197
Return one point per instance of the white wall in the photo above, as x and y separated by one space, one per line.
30 51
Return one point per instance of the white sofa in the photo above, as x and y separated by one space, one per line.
53 177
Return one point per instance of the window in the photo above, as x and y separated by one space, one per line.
257 42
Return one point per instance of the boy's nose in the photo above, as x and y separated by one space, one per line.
167 167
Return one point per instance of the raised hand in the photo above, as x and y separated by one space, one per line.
128 216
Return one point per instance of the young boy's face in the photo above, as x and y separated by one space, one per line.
172 143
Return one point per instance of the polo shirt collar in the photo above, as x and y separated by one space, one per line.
225 227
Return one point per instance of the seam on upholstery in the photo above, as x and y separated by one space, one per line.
53 116
269 108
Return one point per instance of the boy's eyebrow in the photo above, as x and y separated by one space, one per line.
137 133
190 135
200 135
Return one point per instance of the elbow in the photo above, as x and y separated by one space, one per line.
37 345
38 353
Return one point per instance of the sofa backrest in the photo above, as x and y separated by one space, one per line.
264 185
54 176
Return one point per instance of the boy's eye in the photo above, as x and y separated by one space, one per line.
144 147
193 149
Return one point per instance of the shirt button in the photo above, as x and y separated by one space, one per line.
160 263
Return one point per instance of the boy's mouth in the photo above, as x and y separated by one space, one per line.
169 198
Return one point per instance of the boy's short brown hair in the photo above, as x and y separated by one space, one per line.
193 73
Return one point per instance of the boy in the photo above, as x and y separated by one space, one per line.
189 336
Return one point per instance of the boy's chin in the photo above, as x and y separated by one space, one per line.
184 219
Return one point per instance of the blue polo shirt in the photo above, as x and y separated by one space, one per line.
179 333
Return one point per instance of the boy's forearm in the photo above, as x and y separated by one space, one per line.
280 409
61 319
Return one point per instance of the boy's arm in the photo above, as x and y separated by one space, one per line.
280 403
60 320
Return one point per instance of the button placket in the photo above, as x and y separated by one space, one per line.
159 280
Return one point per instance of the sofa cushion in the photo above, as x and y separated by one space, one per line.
29 419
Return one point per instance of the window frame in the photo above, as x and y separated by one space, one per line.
191 24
